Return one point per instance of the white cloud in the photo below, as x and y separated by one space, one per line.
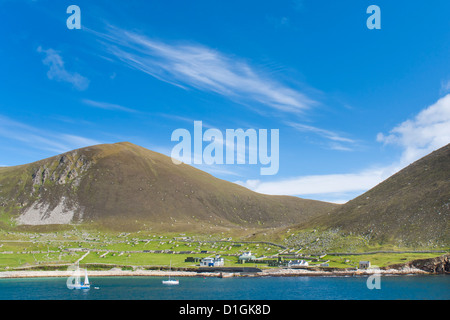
320 184
426 132
200 67
58 72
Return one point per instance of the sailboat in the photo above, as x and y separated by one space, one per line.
73 282
170 282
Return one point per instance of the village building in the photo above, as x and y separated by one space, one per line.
364 265
217 261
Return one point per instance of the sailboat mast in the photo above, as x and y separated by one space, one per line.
86 279
170 268
77 275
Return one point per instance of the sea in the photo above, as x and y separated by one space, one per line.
413 287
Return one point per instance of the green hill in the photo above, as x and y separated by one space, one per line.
410 207
124 186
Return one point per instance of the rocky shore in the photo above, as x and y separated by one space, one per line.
115 272
434 265
438 265
276 272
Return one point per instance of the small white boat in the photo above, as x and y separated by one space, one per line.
170 282
74 282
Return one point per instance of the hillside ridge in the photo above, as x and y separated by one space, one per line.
412 206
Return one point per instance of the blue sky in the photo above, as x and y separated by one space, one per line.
352 105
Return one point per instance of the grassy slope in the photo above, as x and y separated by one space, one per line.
411 207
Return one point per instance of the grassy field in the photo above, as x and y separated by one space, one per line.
145 249
27 249
33 249
377 259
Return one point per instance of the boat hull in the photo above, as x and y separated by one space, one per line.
80 287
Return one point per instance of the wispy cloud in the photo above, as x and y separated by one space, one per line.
336 140
107 106
58 72
339 147
200 67
322 132
42 139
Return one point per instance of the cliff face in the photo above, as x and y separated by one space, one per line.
434 265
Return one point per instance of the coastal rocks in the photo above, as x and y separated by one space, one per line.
434 265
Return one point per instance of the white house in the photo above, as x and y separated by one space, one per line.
212 262
247 256
298 263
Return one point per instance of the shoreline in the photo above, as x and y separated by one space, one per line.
116 272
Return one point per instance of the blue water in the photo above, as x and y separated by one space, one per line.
276 288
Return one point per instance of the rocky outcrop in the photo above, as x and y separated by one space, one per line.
52 197
433 265
67 168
